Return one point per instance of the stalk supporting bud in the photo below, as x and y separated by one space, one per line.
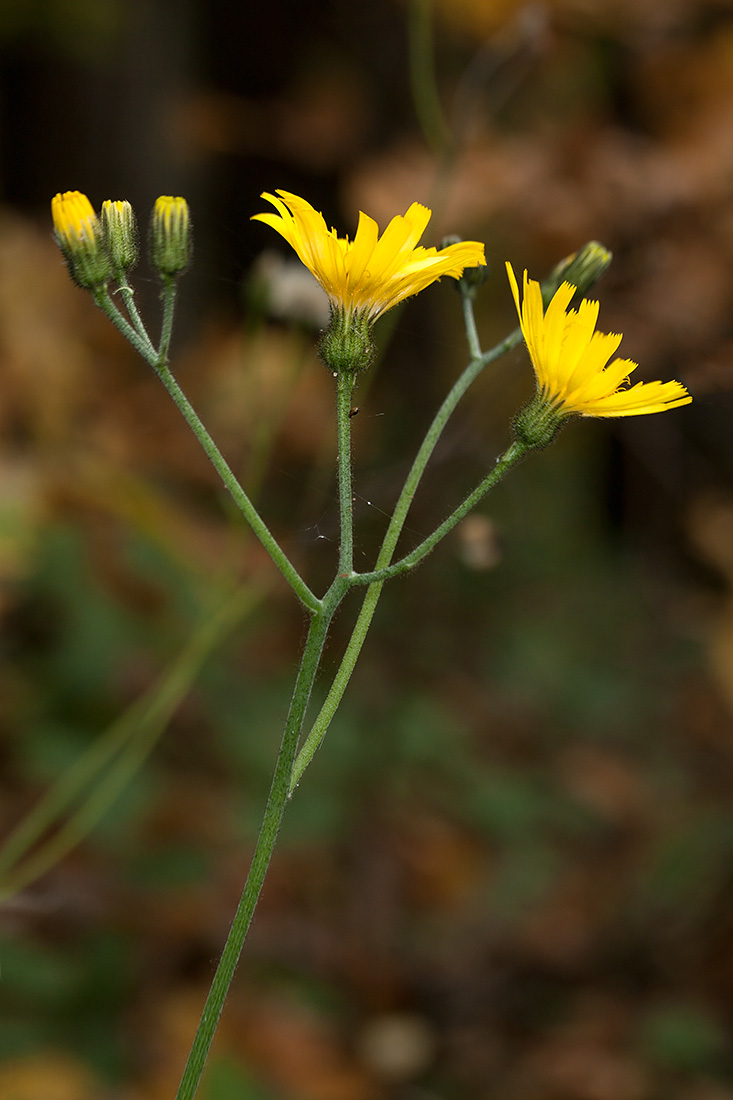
79 235
170 236
120 234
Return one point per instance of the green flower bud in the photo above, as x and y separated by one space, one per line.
581 269
120 234
78 234
170 236
346 345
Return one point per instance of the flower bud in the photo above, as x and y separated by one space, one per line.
581 269
120 234
78 234
170 236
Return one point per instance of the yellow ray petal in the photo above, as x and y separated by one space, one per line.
571 359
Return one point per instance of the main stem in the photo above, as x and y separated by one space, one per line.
280 789
276 803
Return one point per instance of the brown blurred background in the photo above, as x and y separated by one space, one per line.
508 873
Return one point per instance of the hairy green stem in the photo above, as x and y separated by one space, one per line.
280 790
276 804
345 386
158 360
236 491
170 290
128 297
511 456
338 687
469 320
477 363
140 342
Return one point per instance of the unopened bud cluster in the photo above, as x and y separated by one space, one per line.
98 248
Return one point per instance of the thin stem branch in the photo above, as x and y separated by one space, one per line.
238 494
128 297
338 687
141 343
345 386
511 456
389 543
170 290
276 804
158 360
469 320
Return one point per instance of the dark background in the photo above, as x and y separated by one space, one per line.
507 873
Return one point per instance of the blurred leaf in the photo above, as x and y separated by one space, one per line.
38 973
169 866
683 1037
689 865
225 1079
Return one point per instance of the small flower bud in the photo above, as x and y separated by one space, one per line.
120 234
78 234
581 269
170 236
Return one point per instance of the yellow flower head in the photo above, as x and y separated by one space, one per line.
571 359
369 275
79 236
74 218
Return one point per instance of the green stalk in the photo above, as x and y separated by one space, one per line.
276 804
338 687
478 361
140 342
469 321
345 386
511 456
280 790
128 297
238 494
170 290
158 360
